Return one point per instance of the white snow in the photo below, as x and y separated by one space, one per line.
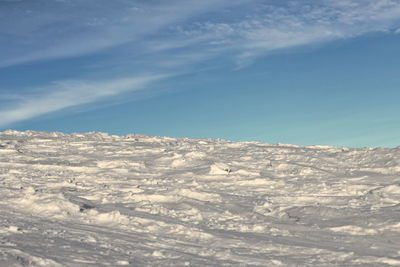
98 200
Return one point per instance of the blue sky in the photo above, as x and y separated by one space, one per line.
301 72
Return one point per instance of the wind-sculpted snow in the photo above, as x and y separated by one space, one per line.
98 200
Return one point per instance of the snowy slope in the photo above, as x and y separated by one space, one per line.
98 200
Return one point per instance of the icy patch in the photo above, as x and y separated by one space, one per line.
220 169
354 230
46 205
155 198
113 218
199 195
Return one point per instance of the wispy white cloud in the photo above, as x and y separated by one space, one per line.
268 27
64 94
156 36
58 29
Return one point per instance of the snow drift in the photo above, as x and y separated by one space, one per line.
99 200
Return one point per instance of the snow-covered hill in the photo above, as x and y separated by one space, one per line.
98 200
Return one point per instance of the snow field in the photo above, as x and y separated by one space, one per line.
98 200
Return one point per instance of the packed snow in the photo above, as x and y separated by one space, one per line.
98 200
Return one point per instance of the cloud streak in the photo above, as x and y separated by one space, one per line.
45 30
162 37
65 94
268 27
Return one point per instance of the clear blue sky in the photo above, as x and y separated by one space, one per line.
302 72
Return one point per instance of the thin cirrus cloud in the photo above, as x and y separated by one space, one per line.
32 31
65 94
268 27
163 37
43 30
47 30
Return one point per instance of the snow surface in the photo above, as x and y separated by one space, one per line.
99 200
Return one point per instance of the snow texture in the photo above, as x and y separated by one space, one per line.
98 200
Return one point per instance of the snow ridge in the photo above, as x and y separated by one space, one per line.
98 200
